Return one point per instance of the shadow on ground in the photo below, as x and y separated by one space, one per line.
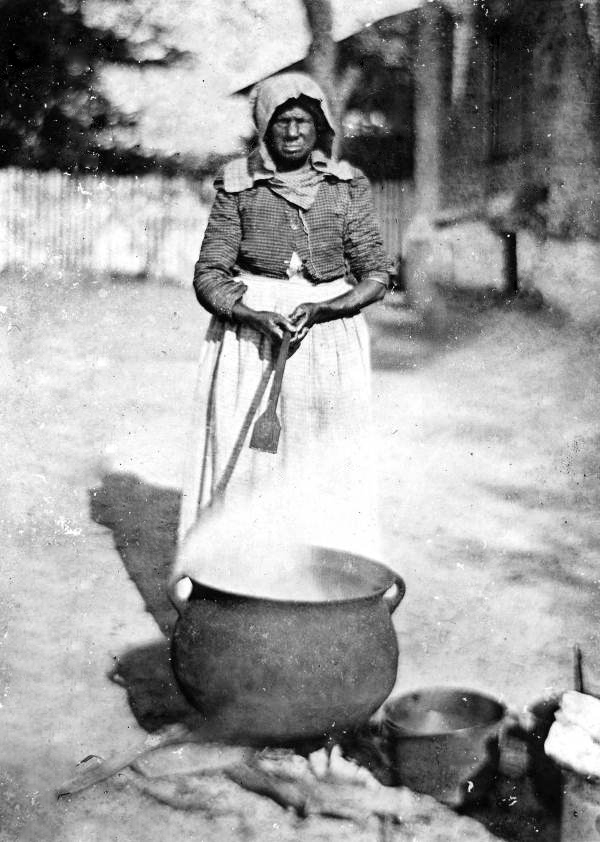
146 675
512 812
404 337
143 520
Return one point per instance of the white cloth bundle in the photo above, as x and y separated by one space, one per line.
574 738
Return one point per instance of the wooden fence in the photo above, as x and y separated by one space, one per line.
149 225
394 205
143 226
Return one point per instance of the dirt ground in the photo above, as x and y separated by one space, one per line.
490 490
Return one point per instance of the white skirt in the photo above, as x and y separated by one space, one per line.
320 486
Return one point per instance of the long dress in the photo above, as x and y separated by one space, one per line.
320 487
241 506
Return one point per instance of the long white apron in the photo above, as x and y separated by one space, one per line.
320 487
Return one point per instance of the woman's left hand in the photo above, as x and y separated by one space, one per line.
304 316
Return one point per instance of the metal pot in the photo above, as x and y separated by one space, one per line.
279 671
444 742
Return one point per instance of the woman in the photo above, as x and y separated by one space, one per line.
288 226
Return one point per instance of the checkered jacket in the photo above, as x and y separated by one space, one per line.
252 229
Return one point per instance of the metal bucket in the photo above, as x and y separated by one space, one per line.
444 742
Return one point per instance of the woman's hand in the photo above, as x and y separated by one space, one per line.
350 303
304 316
269 323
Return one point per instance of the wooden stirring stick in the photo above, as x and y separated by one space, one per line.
578 669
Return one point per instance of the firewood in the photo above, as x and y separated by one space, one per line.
206 792
308 795
190 759
90 775
284 793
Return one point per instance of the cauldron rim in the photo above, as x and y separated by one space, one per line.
387 576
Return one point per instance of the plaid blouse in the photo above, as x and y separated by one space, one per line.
252 229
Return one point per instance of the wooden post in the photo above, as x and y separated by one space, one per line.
418 248
429 109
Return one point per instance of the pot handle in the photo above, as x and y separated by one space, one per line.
179 593
395 594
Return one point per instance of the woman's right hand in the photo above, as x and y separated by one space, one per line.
269 323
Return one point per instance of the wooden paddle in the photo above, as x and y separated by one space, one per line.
265 435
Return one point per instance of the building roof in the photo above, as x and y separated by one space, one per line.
274 53
189 109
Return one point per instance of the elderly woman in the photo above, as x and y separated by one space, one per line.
291 245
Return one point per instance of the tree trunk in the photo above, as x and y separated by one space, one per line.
322 63
429 111
463 36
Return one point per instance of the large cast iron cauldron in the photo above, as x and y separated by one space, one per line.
276 671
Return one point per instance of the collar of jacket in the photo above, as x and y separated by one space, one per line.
243 173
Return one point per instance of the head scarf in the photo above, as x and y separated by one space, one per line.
298 188
270 94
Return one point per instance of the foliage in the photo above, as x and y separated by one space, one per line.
368 79
53 112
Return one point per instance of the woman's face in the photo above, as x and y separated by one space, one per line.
291 136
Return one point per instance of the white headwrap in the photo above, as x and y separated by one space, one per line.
270 94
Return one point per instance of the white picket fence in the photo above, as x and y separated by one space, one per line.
148 226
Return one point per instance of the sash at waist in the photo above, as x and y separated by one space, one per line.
288 291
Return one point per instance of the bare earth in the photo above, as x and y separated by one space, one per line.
490 487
